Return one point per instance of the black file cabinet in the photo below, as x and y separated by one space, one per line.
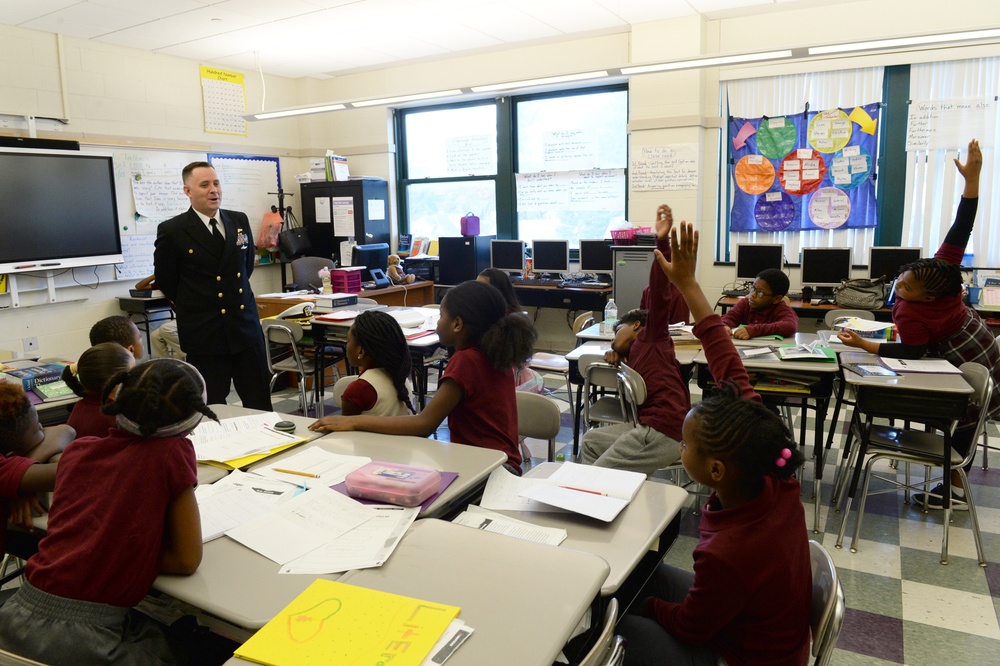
463 258
365 201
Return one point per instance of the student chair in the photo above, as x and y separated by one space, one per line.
826 617
305 271
609 649
582 321
556 364
602 401
340 387
538 416
278 332
831 317
928 449
986 438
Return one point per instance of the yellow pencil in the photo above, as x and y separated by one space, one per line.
297 473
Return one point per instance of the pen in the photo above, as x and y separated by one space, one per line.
296 472
584 490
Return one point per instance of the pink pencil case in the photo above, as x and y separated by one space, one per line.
403 485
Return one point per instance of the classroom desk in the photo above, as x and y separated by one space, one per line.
641 533
819 393
594 332
410 295
806 310
146 311
936 400
566 298
523 599
335 332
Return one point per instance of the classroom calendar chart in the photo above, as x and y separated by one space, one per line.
804 171
224 98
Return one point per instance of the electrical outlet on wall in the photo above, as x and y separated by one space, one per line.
30 344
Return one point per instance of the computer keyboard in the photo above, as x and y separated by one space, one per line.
794 295
590 285
537 282
735 293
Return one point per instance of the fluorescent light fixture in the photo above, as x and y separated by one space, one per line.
714 61
548 80
295 112
899 42
405 98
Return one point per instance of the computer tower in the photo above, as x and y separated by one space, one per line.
632 264
463 258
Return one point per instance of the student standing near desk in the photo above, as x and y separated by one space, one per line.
931 318
202 262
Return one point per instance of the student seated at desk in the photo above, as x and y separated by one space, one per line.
525 379
476 392
20 431
120 329
87 378
932 319
124 511
377 347
764 311
754 547
626 331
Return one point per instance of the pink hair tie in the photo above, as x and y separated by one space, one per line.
782 457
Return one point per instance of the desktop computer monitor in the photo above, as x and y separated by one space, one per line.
885 261
752 258
596 256
507 255
373 255
550 256
824 267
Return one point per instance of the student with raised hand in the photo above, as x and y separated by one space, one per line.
476 391
120 329
931 319
377 347
754 546
124 511
655 443
763 311
87 378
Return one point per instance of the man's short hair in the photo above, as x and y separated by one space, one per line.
632 316
186 171
776 280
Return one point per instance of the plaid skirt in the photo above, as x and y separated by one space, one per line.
974 343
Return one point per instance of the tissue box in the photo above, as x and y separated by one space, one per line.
403 485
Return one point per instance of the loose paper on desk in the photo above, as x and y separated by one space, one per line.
237 499
224 447
367 545
597 492
937 366
503 492
757 353
301 524
330 468
490 521
336 623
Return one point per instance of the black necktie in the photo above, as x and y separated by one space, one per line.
220 242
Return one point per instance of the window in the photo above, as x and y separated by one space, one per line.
531 167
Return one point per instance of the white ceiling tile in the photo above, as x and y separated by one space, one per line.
268 10
86 19
150 9
449 35
643 11
505 23
570 16
181 28
712 6
16 12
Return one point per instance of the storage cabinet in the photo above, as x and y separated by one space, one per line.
335 212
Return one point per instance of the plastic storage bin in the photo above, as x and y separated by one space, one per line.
403 485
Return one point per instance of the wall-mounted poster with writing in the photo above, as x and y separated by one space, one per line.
813 170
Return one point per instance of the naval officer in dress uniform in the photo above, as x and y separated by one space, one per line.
202 262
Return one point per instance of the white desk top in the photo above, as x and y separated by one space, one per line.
523 599
811 367
914 381
593 332
685 353
339 328
623 541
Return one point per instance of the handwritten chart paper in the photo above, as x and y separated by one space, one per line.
158 195
471 155
224 98
667 167
597 190
336 623
941 124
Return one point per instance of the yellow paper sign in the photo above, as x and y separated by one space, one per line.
336 623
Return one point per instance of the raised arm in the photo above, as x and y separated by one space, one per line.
957 239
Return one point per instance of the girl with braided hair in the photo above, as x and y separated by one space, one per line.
476 391
124 511
749 597
931 319
377 347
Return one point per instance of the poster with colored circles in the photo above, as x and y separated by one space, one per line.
804 171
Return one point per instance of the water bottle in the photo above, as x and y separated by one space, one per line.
610 317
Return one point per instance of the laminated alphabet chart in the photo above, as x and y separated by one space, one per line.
805 171
224 98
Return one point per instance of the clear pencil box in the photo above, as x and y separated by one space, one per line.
403 485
